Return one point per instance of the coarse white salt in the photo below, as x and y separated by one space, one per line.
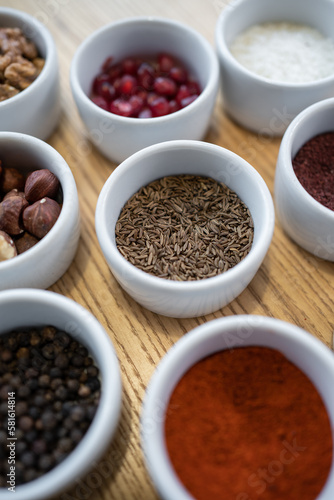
285 52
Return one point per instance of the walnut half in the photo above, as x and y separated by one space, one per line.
20 63
7 91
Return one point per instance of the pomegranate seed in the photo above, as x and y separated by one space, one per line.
193 87
136 103
174 106
107 91
151 96
165 62
121 107
178 74
114 72
142 93
130 66
107 64
182 93
127 84
159 106
145 113
146 76
117 86
101 102
144 88
188 100
98 81
165 86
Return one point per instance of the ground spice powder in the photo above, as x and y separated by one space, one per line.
314 168
247 424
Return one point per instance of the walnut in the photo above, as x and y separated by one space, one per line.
28 48
5 60
7 91
38 62
21 74
20 63
10 40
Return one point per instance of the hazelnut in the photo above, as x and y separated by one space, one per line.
40 217
14 192
7 247
40 184
10 214
11 178
25 242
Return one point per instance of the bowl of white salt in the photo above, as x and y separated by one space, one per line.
276 59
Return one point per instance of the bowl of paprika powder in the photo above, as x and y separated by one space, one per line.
240 408
304 180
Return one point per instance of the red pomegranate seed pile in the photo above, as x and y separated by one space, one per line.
144 88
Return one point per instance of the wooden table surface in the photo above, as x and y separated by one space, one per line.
291 284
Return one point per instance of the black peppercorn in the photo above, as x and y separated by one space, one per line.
48 351
57 390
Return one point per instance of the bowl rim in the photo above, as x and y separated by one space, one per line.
284 161
226 57
50 56
69 202
153 407
110 249
209 88
98 436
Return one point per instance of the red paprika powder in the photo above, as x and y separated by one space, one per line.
314 168
245 424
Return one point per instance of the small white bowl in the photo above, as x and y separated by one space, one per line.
117 137
305 220
186 298
35 110
43 264
26 308
300 347
257 103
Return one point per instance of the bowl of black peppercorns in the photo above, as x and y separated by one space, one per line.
60 393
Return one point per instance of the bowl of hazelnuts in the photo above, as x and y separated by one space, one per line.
39 213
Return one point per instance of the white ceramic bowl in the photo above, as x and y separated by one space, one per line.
27 307
186 298
43 264
257 103
300 347
36 109
117 137
305 220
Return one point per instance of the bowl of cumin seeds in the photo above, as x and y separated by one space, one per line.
184 226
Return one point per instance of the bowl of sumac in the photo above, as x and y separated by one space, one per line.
184 226
143 80
60 393
304 180
241 407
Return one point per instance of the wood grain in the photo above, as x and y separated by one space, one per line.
291 284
